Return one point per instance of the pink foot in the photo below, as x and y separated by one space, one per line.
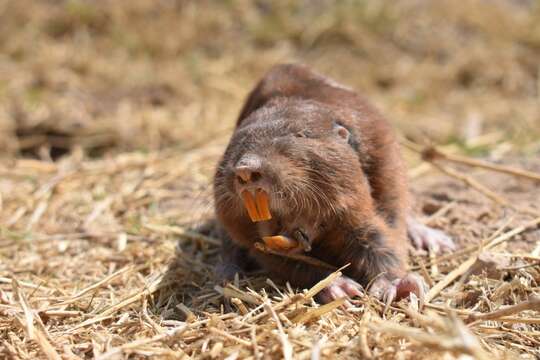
340 288
424 237
394 290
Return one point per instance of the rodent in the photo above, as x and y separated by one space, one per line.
312 160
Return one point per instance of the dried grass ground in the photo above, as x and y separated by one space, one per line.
96 256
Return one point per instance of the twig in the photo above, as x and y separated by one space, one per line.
318 287
301 298
253 336
285 344
169 334
449 278
492 195
521 256
318 312
95 286
507 235
533 303
303 258
519 320
4 280
432 153
28 315
428 340
37 333
441 212
141 342
226 335
184 233
362 338
230 291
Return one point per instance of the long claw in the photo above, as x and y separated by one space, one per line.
302 238
389 296
353 289
412 283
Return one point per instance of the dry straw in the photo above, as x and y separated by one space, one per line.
126 292
98 256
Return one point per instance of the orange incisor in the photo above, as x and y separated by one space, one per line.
261 198
257 207
279 242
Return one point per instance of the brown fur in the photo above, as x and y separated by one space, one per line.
349 197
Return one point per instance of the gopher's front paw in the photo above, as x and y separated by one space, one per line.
340 288
394 290
427 238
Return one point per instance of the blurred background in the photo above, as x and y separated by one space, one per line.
109 76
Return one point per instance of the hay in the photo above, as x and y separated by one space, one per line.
112 125
72 287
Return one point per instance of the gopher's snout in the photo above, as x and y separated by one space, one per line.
249 170
251 183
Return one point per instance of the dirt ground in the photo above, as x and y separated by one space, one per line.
114 114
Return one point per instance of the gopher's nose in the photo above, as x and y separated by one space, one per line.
248 169
245 174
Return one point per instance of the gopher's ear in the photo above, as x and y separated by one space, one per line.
342 132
